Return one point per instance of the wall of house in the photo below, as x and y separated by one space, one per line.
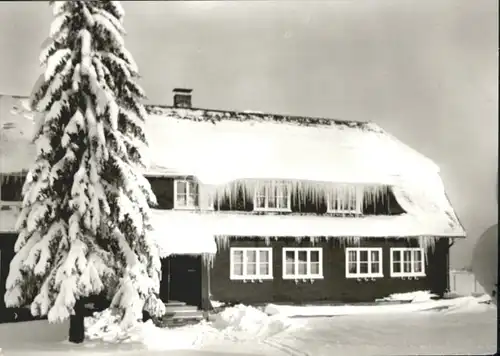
334 287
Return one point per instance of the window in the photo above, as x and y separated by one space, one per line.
186 194
273 197
407 262
345 200
305 263
250 263
363 262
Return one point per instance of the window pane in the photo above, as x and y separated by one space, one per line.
407 266
302 256
289 268
396 256
315 268
191 200
374 256
251 269
352 256
260 202
363 255
417 266
251 256
352 267
271 203
193 187
261 191
352 198
407 256
396 267
238 269
375 267
302 268
417 255
181 200
263 256
290 256
363 267
181 187
282 202
314 256
238 256
264 269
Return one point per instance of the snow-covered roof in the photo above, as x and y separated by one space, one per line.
292 225
173 237
220 146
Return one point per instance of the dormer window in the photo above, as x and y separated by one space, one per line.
273 196
186 194
345 199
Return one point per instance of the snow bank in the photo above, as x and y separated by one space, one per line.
413 297
244 322
239 323
104 326
467 304
471 304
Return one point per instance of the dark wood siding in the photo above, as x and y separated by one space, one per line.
163 188
335 287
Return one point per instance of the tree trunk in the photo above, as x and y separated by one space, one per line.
76 324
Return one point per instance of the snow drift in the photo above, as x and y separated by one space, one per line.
238 323
415 302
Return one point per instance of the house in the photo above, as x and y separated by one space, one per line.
257 208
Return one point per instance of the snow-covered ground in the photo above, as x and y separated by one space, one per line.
465 326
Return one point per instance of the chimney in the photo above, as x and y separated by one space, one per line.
182 98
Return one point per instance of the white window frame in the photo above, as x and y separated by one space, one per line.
412 273
188 182
369 274
308 274
358 193
266 207
245 276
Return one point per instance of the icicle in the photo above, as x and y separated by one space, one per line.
208 259
427 243
222 242
267 240
303 191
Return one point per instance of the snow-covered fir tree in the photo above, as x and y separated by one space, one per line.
83 228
